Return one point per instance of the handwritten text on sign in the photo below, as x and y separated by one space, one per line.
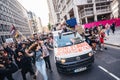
73 49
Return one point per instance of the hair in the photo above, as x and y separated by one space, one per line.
2 51
33 47
21 52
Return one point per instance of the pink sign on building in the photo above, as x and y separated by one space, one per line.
104 22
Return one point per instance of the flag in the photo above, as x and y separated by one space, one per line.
16 34
71 22
12 30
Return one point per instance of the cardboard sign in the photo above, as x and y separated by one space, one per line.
73 49
9 40
79 29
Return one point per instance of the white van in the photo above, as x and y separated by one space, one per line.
72 53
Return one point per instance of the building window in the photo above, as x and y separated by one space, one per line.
0 28
89 1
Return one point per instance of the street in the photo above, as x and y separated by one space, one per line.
105 67
73 28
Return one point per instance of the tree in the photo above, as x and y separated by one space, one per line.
49 26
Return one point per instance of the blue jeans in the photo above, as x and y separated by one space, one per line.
108 31
41 67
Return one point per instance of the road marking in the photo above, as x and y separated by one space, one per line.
117 78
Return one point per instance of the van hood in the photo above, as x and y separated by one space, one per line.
72 51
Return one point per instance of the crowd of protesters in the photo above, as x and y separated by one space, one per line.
95 36
24 55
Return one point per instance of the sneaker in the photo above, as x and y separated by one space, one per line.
101 49
94 51
49 70
19 70
105 48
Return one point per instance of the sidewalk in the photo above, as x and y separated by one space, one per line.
114 39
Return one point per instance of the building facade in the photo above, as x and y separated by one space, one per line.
53 12
34 23
115 8
85 11
39 25
12 13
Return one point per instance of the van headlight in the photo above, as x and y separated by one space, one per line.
62 60
90 54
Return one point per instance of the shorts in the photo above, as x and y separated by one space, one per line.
101 40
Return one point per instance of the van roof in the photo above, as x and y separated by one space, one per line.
56 33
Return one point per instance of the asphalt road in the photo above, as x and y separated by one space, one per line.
105 67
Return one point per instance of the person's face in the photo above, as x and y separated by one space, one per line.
23 45
1 52
20 54
13 46
41 42
92 32
5 45
1 47
28 42
47 40
4 54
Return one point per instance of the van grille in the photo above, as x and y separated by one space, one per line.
77 58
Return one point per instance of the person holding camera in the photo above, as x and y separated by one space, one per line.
37 50
7 67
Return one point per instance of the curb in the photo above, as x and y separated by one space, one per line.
112 44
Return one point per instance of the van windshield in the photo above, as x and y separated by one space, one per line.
67 40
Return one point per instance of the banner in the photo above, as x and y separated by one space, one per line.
73 49
9 40
104 22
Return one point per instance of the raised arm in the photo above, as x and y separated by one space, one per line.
28 54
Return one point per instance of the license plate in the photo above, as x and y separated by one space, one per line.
80 69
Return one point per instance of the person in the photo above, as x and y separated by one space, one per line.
113 27
95 30
39 55
54 28
87 35
107 27
7 48
7 67
102 37
93 40
96 39
46 58
49 43
64 29
23 46
26 65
